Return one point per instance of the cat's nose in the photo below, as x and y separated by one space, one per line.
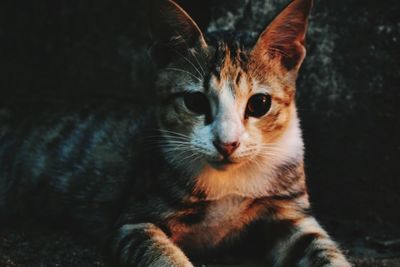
226 149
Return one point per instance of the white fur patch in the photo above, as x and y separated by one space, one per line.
228 127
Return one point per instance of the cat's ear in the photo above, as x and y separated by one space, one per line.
173 31
284 38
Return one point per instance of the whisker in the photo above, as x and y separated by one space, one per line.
190 156
192 52
192 64
171 141
172 132
272 147
184 71
178 157
197 60
166 138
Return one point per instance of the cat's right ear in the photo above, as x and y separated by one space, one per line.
173 32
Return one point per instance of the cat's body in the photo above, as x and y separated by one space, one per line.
214 170
75 158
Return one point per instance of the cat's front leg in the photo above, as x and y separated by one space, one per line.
144 244
307 245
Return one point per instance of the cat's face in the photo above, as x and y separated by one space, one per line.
224 108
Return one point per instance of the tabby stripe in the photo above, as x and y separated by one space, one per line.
320 256
127 238
66 130
126 251
122 244
194 216
324 251
136 255
298 249
289 196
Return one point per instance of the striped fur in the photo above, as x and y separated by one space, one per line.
145 244
150 183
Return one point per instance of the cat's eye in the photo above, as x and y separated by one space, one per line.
197 102
258 105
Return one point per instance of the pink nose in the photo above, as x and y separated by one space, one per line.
226 149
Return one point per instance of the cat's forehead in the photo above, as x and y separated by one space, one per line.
229 67
228 59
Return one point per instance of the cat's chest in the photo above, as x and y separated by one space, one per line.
211 224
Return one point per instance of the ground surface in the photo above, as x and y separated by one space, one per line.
367 244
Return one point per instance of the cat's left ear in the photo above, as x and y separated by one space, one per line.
284 38
174 31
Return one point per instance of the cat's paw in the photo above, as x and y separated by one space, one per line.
145 245
168 263
333 262
342 263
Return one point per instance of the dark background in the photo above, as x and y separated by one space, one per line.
348 90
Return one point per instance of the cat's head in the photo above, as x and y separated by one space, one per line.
227 113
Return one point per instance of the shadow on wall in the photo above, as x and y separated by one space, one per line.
348 91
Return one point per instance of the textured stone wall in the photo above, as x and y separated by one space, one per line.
348 91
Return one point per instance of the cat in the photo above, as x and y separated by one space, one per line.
212 171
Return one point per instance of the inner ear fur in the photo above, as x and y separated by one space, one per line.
173 31
284 38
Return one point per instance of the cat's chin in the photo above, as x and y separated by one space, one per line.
223 164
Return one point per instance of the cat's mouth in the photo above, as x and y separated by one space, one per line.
222 163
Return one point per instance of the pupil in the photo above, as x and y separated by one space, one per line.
258 105
197 103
